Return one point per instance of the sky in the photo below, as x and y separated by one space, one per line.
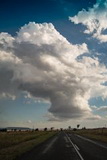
53 70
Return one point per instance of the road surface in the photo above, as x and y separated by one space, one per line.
65 146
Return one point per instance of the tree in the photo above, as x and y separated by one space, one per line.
45 129
52 128
36 129
69 127
78 125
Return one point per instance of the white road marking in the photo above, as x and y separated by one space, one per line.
50 145
75 148
68 146
84 138
66 139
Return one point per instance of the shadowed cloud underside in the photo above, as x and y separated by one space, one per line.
42 63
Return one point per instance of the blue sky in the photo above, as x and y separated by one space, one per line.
53 63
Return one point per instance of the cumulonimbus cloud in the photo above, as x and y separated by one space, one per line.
40 61
95 20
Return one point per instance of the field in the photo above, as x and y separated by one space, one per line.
13 144
99 134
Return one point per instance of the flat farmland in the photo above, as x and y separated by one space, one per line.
13 144
99 134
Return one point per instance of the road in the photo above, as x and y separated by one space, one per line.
65 146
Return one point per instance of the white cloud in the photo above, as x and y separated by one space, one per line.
94 117
102 109
44 64
95 20
93 107
29 121
6 40
35 34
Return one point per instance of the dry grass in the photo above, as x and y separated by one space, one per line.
99 134
14 144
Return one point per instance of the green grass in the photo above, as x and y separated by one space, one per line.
97 134
13 144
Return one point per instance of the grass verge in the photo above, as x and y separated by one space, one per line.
26 142
99 134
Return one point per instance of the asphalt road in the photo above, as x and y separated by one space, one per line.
67 147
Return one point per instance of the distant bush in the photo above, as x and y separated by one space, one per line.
3 130
84 128
36 129
74 129
45 129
